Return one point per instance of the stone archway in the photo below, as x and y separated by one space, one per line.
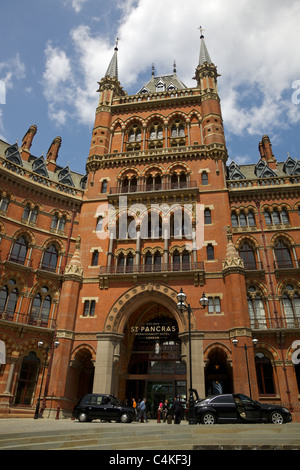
110 349
121 310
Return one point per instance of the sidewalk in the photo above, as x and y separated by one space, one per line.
30 434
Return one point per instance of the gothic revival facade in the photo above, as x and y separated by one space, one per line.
96 260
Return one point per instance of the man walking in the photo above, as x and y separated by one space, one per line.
177 411
143 414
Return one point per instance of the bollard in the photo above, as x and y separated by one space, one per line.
57 412
158 415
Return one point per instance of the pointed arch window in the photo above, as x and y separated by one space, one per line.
4 203
264 373
19 250
27 379
247 253
283 255
291 305
256 308
8 299
50 259
41 308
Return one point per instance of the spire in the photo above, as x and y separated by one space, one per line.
204 55
112 70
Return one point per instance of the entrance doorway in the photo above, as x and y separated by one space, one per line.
155 370
218 373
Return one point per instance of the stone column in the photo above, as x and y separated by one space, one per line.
108 352
198 379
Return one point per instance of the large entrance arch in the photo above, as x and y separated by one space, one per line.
126 364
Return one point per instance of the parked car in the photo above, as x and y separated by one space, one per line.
238 408
104 407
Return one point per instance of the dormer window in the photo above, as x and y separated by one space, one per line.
160 86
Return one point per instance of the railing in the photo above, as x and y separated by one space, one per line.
275 323
27 319
253 266
263 182
20 260
152 268
164 186
286 264
49 267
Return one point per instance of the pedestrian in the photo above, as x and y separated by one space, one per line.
165 410
177 411
134 407
143 414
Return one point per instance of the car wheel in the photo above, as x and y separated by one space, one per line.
82 417
208 418
125 418
277 418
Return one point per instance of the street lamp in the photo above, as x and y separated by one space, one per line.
47 349
254 342
183 306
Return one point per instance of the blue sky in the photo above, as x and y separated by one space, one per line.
53 52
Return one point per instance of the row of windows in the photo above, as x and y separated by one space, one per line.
247 218
40 310
30 215
154 183
151 226
154 261
20 250
284 257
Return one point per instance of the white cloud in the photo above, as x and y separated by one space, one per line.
254 45
77 5
57 83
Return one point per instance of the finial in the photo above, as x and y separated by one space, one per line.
174 66
201 31
117 42
153 70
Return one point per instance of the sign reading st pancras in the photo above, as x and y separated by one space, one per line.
153 328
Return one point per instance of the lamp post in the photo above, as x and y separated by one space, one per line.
245 347
183 306
47 349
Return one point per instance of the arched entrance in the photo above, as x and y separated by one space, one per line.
119 366
154 369
218 373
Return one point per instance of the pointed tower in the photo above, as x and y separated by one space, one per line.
109 87
206 76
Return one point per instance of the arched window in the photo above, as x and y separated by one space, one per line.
148 261
157 261
247 254
50 259
19 251
129 263
283 255
120 263
134 138
41 307
4 203
30 214
8 299
176 260
291 305
27 379
58 223
256 308
264 373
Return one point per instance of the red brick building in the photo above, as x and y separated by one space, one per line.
96 260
